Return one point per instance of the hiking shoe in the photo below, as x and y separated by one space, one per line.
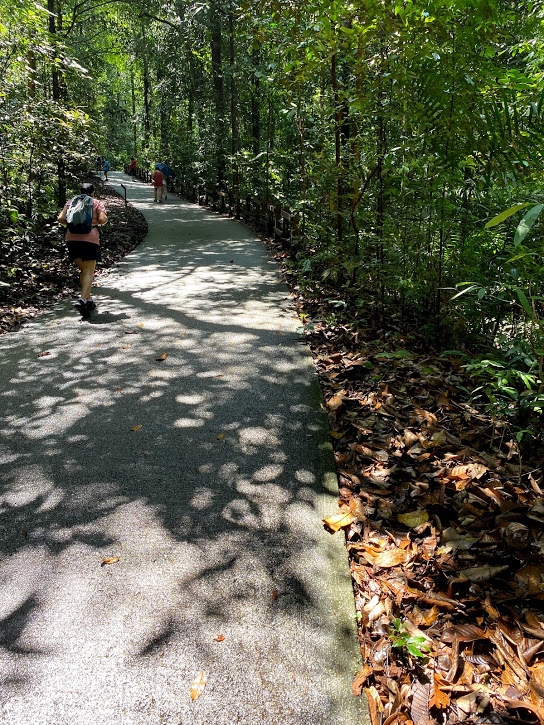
91 305
81 307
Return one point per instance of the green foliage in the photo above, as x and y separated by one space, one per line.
402 640
394 129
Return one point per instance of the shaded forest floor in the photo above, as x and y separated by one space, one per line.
38 271
444 521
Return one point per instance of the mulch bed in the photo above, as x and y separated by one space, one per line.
444 524
40 271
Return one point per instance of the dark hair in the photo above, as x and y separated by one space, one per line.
86 189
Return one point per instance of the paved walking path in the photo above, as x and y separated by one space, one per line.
213 505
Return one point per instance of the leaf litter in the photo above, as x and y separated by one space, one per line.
444 526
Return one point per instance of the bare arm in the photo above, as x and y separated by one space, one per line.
62 217
102 218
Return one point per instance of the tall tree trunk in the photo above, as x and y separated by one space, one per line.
381 149
218 90
54 20
147 103
338 150
234 129
146 89
134 134
255 98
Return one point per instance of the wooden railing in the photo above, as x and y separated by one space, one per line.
273 218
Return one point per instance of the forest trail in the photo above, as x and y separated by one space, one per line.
207 473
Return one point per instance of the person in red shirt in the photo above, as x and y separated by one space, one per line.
158 179
84 250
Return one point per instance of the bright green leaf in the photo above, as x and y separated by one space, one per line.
504 215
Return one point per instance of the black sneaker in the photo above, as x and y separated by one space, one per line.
81 307
91 305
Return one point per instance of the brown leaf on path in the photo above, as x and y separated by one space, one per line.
137 427
162 356
413 518
275 594
219 638
439 698
359 681
357 508
335 402
482 573
338 521
463 633
471 470
419 709
43 354
110 560
131 332
197 688
391 557
375 705
531 577
524 705
220 436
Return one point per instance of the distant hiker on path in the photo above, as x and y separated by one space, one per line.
98 163
106 169
82 216
158 179
132 167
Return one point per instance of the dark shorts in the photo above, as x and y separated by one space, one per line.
84 251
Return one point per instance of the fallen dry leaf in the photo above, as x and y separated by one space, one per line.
219 638
137 427
338 521
335 402
220 436
391 557
413 518
43 354
359 682
162 356
110 560
439 698
463 633
482 573
197 688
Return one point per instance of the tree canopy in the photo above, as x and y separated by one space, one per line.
395 130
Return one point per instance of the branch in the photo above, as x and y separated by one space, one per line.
81 10
159 20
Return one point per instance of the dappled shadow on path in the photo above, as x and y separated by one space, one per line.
200 471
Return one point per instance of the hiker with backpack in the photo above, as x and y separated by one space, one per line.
106 169
82 216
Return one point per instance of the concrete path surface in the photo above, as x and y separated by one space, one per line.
206 473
